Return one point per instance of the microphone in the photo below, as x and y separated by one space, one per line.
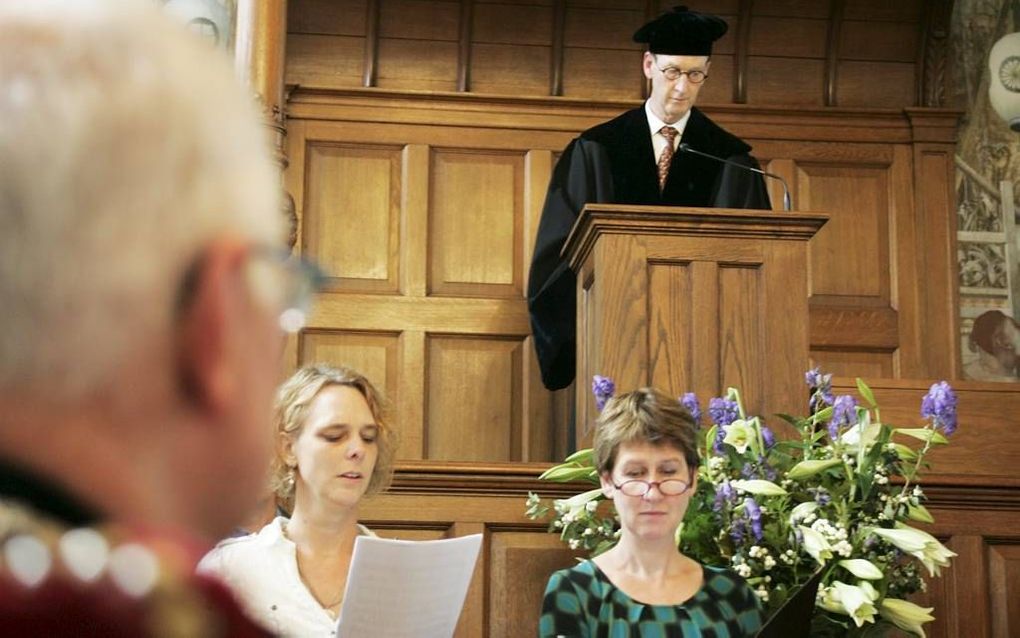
787 206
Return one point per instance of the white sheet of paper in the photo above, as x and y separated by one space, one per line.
398 589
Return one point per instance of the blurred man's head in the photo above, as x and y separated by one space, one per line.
139 295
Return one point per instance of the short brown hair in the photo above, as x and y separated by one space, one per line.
292 402
645 416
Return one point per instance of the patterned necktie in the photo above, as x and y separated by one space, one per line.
667 154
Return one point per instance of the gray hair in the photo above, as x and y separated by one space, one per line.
126 146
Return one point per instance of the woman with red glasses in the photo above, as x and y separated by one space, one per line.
647 458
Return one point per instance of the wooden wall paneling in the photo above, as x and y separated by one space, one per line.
464 45
347 183
376 355
410 404
414 211
476 223
935 211
832 52
370 66
723 73
1004 587
842 361
325 42
968 588
474 398
882 10
519 565
326 17
599 58
879 41
324 60
788 37
786 81
850 256
511 50
556 61
817 9
419 44
472 617
907 271
857 86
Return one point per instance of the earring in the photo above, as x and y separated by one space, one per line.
288 479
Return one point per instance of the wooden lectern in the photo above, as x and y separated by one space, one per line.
692 300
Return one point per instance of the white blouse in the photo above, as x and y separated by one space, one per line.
261 569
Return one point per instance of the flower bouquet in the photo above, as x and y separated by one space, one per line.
842 497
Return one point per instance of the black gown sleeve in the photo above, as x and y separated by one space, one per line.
581 176
739 188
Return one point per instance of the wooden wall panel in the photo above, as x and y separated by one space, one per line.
864 364
850 256
623 67
1004 587
352 215
327 17
856 85
789 81
801 53
324 60
786 37
417 64
476 223
373 354
526 560
474 398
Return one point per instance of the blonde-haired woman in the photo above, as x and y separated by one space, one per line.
647 459
333 448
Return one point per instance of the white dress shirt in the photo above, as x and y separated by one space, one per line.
658 139
261 569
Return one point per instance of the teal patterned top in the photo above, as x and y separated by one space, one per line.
581 601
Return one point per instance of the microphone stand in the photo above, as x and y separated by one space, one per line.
787 204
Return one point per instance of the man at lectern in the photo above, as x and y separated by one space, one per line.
663 153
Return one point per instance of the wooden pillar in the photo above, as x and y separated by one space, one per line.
260 40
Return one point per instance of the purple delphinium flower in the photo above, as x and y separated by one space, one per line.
603 388
754 515
690 401
737 531
940 404
723 411
844 413
717 445
767 437
821 386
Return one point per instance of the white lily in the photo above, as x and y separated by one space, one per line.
758 486
741 434
815 544
856 601
921 545
906 615
864 432
802 511
577 502
861 568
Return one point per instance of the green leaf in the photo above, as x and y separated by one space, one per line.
866 392
805 469
919 513
581 457
923 434
565 473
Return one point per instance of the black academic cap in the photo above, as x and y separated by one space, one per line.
682 32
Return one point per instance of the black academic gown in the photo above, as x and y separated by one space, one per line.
614 162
